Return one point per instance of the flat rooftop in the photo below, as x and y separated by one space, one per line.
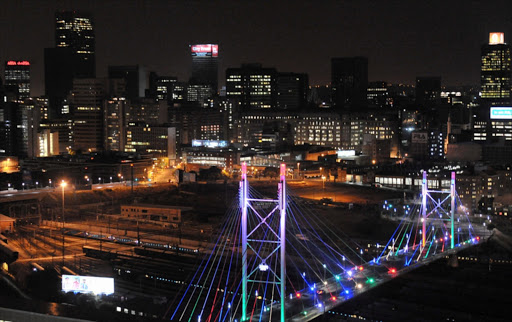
143 205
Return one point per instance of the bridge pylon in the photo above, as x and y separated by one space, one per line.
264 238
425 195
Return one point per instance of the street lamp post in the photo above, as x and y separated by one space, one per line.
63 185
323 186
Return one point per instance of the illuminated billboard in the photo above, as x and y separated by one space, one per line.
210 143
501 113
18 63
205 50
346 153
496 38
88 284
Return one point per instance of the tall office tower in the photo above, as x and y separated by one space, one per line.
428 90
496 71
205 65
135 78
75 31
88 114
58 78
17 74
253 86
116 112
349 83
292 91
72 57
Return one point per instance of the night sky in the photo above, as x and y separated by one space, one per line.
402 39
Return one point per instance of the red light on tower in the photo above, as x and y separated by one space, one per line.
361 268
392 271
298 295
333 298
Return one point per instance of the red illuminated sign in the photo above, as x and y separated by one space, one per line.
204 49
18 63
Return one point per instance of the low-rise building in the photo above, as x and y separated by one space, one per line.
6 224
157 214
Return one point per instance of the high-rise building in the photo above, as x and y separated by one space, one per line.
17 74
58 78
428 90
135 78
72 57
292 91
76 31
253 86
116 111
205 65
496 71
87 102
349 82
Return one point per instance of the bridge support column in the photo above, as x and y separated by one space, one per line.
243 205
452 210
424 191
282 237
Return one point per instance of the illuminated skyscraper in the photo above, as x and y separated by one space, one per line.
72 57
17 74
205 65
496 71
254 86
75 31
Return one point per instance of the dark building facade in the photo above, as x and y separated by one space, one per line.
292 91
428 90
349 82
135 79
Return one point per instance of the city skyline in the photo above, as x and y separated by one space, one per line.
400 42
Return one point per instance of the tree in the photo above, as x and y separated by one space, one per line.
271 172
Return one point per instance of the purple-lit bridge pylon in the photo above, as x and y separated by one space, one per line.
277 260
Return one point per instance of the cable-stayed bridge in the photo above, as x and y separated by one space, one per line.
276 260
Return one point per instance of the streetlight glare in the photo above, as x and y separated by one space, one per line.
63 184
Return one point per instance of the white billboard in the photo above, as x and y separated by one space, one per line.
88 284
346 153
